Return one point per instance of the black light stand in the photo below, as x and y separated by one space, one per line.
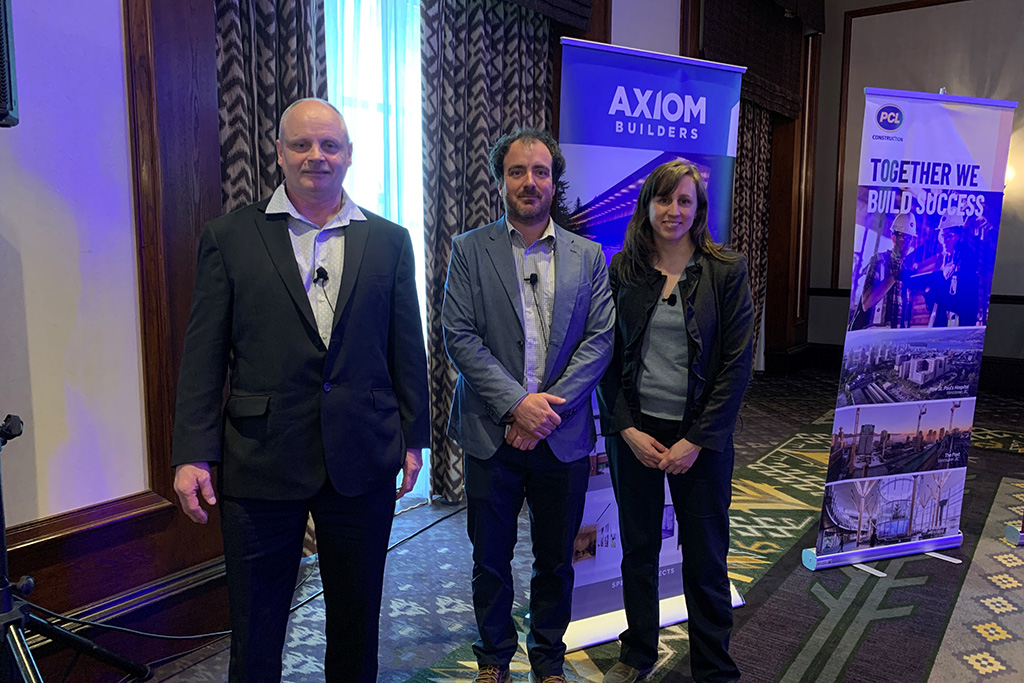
16 661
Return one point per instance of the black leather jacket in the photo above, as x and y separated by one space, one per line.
719 314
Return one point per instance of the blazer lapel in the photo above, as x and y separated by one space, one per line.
568 262
500 252
356 234
274 232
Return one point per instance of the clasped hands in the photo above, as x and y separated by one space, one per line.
533 419
652 453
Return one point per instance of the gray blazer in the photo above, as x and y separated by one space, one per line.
482 318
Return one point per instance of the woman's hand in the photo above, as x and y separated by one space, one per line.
680 457
645 447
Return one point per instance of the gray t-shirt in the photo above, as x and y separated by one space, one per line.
664 372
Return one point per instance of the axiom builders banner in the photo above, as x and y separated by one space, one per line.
929 198
624 112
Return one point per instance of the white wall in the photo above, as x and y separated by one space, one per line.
70 356
646 25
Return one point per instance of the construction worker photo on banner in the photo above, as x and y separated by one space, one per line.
922 270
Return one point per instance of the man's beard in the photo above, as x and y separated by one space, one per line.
527 214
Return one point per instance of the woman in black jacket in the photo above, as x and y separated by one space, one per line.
669 401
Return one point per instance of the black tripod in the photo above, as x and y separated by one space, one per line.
16 662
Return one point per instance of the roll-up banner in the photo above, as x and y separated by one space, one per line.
929 197
1015 532
624 112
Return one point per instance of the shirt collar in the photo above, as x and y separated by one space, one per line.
549 231
693 266
280 203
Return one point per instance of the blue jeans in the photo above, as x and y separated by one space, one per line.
555 492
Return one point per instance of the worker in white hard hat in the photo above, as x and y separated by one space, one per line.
953 293
883 300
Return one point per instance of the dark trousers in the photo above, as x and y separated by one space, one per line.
262 549
701 497
555 493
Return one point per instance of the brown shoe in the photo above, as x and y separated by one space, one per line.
490 673
556 678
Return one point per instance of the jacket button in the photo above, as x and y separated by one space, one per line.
520 343
327 387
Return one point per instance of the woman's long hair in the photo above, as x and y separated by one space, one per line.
638 249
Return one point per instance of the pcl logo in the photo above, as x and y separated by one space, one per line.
889 117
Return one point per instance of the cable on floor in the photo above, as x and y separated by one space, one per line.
218 635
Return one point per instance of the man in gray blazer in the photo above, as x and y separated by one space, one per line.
528 323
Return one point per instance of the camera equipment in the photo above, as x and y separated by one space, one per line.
10 429
16 662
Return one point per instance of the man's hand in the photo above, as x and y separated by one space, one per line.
519 438
410 471
189 481
535 416
648 450
680 457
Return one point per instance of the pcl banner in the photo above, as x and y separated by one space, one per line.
1015 532
624 112
929 198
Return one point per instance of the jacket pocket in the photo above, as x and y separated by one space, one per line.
384 399
247 406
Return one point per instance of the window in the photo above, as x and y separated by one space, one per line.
373 75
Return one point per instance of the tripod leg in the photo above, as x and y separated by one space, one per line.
87 647
17 649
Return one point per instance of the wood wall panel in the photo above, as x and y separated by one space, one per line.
599 30
188 603
791 191
176 134
689 28
848 19
86 556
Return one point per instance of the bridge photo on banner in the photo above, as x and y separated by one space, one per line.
929 198
624 112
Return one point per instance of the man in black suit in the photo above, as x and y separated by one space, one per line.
310 302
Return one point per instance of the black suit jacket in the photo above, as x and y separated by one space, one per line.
299 412
719 312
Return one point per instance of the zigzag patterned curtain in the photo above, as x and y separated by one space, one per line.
269 54
486 69
750 200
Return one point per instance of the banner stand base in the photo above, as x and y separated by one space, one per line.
813 561
1014 535
605 628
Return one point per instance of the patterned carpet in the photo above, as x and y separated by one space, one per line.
775 500
840 624
985 636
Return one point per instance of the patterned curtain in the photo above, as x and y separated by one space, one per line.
269 54
750 199
486 69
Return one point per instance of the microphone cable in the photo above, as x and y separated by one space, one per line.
321 279
536 303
